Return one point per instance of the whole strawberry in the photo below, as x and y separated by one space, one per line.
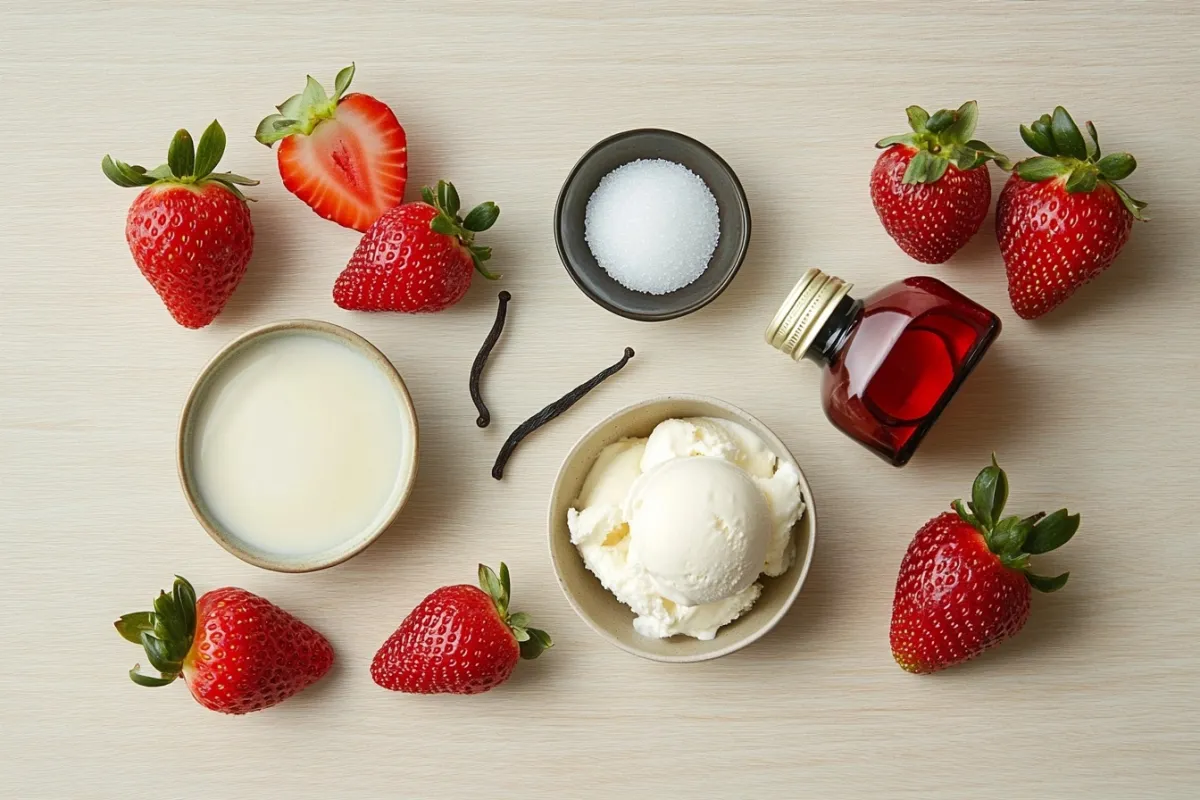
346 156
189 230
458 640
1062 217
964 583
417 257
237 652
931 187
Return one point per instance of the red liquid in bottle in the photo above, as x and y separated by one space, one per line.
894 359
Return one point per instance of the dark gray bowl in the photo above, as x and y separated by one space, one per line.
621 149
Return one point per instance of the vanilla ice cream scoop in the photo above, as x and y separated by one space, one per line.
679 525
700 527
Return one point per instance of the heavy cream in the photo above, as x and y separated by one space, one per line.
300 443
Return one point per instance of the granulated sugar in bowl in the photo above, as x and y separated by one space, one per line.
652 225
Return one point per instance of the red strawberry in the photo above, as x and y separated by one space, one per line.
189 230
345 156
931 187
237 652
1062 217
964 583
417 257
458 640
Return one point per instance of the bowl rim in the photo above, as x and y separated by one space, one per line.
353 340
743 208
781 451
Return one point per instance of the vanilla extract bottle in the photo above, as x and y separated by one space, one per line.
892 360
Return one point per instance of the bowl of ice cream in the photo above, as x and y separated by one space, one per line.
681 528
652 224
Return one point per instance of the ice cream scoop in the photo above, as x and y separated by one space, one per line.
700 527
679 525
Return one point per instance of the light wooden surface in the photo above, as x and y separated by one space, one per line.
1094 407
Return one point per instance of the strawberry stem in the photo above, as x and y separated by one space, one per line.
166 633
186 164
532 642
941 140
445 199
1014 539
1062 151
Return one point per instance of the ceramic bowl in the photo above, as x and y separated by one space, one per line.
599 608
621 149
184 449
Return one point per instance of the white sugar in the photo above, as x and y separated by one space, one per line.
652 225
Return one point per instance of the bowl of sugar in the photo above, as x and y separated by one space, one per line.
297 445
652 224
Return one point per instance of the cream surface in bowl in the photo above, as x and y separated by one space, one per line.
298 445
599 608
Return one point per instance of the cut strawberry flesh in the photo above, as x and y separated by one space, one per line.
351 168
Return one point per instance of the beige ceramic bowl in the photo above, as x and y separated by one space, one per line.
339 553
598 607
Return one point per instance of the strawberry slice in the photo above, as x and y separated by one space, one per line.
345 156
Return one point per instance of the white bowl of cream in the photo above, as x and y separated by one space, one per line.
297 445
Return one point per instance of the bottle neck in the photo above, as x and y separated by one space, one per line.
834 334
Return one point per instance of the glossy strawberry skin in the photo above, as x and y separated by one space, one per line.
193 244
249 654
930 221
351 168
402 264
1054 242
453 642
954 599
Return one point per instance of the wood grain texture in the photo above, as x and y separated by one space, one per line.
1094 407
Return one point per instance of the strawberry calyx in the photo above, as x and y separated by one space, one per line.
302 112
1063 152
941 140
1014 539
533 642
448 222
187 164
166 633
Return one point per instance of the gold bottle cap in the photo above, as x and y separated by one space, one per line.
805 311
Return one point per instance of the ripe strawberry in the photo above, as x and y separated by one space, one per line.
931 187
458 640
417 257
1062 217
237 652
964 583
189 230
345 156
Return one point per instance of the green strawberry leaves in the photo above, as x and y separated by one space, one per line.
1047 585
187 163
301 113
341 81
181 155
1117 167
1064 152
166 633
1067 138
1052 532
482 217
989 494
941 140
1014 539
210 149
532 641
448 222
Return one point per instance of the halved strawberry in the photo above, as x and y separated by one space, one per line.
345 156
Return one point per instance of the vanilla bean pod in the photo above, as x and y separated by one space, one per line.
551 411
485 417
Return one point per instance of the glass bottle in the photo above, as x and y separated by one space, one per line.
892 360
